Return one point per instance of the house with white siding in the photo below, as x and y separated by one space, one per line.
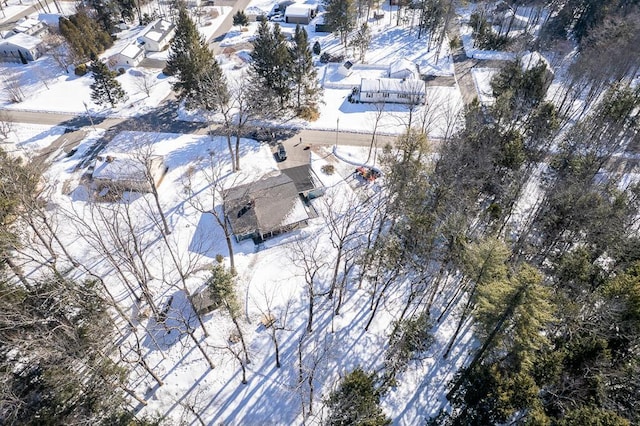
392 90
20 48
157 35
131 55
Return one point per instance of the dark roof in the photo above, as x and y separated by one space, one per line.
301 177
262 205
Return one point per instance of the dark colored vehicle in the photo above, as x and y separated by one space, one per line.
281 153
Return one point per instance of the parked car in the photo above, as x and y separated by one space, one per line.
278 17
281 153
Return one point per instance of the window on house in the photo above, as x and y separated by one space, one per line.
403 96
369 95
385 95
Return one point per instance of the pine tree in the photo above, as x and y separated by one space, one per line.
191 61
105 88
361 41
303 73
341 17
355 402
240 19
271 66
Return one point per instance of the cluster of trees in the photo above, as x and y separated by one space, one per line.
57 353
283 73
552 295
85 37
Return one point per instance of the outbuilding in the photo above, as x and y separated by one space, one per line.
123 172
404 68
300 13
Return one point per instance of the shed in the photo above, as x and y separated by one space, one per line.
20 48
127 173
404 68
265 208
300 13
345 69
392 90
131 55
203 301
157 35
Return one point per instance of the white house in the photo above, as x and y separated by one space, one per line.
157 35
300 13
20 48
131 55
126 173
31 27
392 90
404 68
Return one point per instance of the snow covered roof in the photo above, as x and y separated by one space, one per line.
264 206
157 30
403 66
26 24
532 59
122 168
24 41
132 51
299 10
392 85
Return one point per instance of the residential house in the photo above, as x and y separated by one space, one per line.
131 55
392 90
300 13
20 48
126 173
265 208
157 35
31 26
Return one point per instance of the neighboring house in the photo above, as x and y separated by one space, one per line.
345 68
30 26
157 35
131 55
392 90
265 208
404 68
20 48
300 13
126 173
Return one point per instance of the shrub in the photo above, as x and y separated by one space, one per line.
80 70
328 169
316 48
325 57
120 71
309 113
167 72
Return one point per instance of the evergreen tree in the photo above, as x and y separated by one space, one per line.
105 88
303 73
316 48
356 402
84 35
240 19
271 67
341 17
194 66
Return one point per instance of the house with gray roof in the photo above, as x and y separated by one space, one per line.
265 208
